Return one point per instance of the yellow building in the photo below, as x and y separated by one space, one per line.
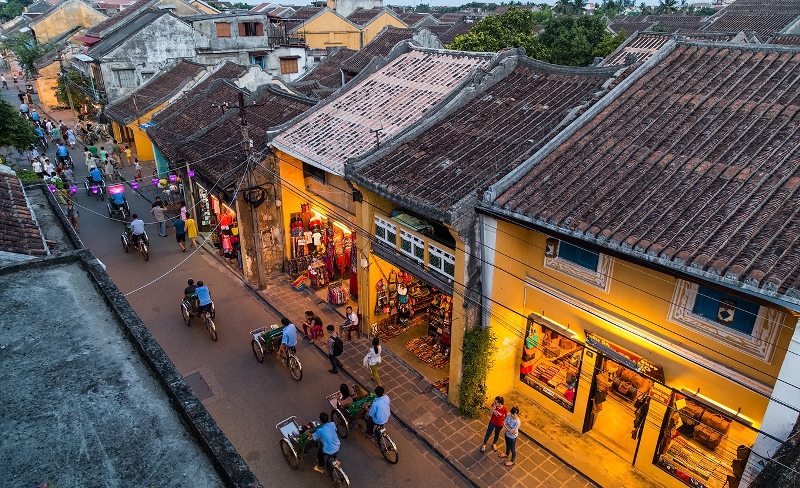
64 17
324 28
130 115
372 21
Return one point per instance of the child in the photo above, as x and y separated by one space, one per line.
138 168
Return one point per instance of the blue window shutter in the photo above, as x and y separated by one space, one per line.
578 255
707 304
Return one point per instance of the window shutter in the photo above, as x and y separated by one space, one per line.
259 29
241 30
223 29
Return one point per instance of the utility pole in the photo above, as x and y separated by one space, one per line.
66 81
248 151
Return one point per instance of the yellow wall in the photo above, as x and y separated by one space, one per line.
204 8
66 17
329 30
142 145
369 31
47 84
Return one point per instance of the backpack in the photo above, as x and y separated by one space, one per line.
338 346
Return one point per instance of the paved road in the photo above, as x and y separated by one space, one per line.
248 398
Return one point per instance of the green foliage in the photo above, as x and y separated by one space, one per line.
607 46
659 27
705 11
27 50
77 86
478 352
572 41
242 5
27 176
422 8
12 9
667 7
15 131
495 32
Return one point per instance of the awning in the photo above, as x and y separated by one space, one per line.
625 357
83 57
289 57
87 39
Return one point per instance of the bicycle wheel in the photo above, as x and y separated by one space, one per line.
340 480
187 317
289 454
213 311
388 449
258 352
144 252
212 329
295 368
124 244
342 428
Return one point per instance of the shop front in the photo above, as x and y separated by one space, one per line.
322 255
219 219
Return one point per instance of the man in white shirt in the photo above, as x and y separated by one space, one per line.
37 168
351 324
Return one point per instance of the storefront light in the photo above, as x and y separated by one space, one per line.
733 413
229 209
564 331
342 227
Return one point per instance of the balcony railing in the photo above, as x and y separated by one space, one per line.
418 247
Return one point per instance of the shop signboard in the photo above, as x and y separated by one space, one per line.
625 357
661 394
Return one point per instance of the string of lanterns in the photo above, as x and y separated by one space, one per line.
56 183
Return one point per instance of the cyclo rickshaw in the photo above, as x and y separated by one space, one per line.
296 439
266 340
354 416
117 203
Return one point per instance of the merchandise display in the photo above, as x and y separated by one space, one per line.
428 349
551 364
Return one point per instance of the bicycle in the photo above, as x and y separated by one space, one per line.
294 443
266 340
345 418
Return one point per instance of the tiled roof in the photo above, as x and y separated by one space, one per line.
228 71
457 30
59 43
786 40
765 25
388 100
300 16
19 232
691 35
450 18
119 18
630 26
124 32
675 22
484 139
194 114
155 92
216 152
328 73
363 15
380 45
644 45
411 18
699 171
776 6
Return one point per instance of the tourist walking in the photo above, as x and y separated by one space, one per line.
158 212
191 229
5 83
497 416
373 359
335 348
511 424
180 232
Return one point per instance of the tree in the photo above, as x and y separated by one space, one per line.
572 41
422 8
704 11
495 32
607 46
11 10
15 131
667 7
242 5
27 50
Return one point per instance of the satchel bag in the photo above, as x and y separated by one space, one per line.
707 436
716 422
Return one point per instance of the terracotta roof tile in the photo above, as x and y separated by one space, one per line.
155 92
19 233
775 6
786 40
703 172
328 73
411 18
643 46
363 15
486 138
458 29
765 25
389 100
119 18
380 45
300 16
630 26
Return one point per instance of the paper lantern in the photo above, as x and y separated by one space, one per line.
154 181
190 173
173 178
73 189
95 189
135 185
52 188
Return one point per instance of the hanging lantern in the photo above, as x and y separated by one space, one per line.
135 185
173 178
73 189
95 189
154 181
190 173
52 188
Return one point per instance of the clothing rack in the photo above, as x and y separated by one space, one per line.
337 293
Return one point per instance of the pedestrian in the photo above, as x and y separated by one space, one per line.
497 415
335 348
159 213
314 323
180 232
93 150
38 168
35 116
33 153
15 80
373 359
88 155
109 168
128 155
191 230
72 215
103 154
351 322
63 128
5 83
55 134
49 169
183 210
71 138
511 424
115 150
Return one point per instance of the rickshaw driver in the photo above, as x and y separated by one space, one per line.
327 441
118 199
203 298
97 178
288 339
137 229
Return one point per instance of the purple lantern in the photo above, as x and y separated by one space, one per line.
135 185
154 181
52 188
173 178
73 189
190 173
95 189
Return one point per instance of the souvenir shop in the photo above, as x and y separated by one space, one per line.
322 257
218 218
413 316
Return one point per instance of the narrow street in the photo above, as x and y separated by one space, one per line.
245 398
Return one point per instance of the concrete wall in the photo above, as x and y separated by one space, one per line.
273 63
67 16
147 51
347 7
206 33
330 30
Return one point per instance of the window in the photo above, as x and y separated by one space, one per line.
259 61
147 76
251 29
725 309
313 172
578 255
385 231
288 66
223 29
441 260
126 77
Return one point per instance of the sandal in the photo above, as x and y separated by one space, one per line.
483 449
509 464
494 448
502 455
